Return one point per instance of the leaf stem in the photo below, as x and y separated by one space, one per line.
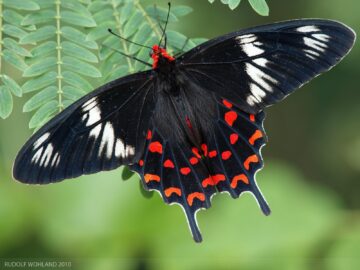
147 17
118 28
58 48
1 32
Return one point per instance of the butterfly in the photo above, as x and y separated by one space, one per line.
191 126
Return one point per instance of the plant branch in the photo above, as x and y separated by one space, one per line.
59 60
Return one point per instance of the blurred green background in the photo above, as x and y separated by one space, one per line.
311 181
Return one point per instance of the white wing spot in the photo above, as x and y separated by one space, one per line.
87 105
251 100
259 76
42 139
108 139
252 49
315 44
95 131
245 39
36 157
93 116
307 29
322 37
257 92
122 151
46 155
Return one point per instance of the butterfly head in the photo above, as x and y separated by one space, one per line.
160 56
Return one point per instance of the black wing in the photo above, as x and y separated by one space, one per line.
101 131
260 66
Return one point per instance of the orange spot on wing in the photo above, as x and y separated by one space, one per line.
204 148
141 162
212 154
213 180
230 117
194 160
227 103
151 177
185 170
196 152
197 195
169 164
149 135
250 159
226 155
237 178
234 138
169 191
257 135
252 117
155 147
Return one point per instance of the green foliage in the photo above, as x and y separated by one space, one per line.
260 6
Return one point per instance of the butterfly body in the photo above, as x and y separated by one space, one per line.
192 126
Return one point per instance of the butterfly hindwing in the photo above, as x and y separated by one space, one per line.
260 66
101 131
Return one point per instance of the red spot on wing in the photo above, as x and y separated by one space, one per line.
194 160
252 117
213 180
237 178
149 135
196 152
155 147
198 195
151 177
234 138
257 135
185 170
141 162
227 103
212 154
204 148
250 159
169 191
188 122
169 164
226 155
230 117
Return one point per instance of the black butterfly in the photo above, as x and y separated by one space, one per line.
191 126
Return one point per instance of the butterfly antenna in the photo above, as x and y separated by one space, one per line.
129 56
158 18
116 35
166 22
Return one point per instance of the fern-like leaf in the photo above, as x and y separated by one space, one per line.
260 6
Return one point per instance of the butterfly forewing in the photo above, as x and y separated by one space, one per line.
101 131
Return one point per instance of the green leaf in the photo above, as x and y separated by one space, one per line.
118 72
77 81
75 6
39 17
44 49
73 93
39 82
95 6
21 4
81 53
77 19
100 31
12 85
161 13
14 31
40 67
43 113
105 14
67 103
140 37
260 6
45 3
132 24
126 12
177 40
233 4
40 34
6 102
13 46
81 67
12 17
78 37
180 10
42 97
13 59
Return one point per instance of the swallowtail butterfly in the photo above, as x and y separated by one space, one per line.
191 126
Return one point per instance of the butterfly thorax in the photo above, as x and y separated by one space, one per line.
162 60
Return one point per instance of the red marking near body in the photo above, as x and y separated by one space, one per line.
185 170
149 135
169 164
169 191
141 162
230 117
197 195
204 148
227 103
234 138
212 154
155 147
196 152
194 160
250 159
226 155
237 178
157 52
213 180
252 117
257 135
151 177
188 122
